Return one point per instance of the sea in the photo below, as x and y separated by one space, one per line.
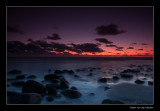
89 71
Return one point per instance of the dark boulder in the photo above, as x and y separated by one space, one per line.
131 71
51 77
71 93
102 80
32 86
55 85
15 71
73 88
23 98
108 101
51 89
64 85
76 76
31 77
139 81
50 98
55 81
126 75
71 72
18 83
150 83
58 72
20 77
115 77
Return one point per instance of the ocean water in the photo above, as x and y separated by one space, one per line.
103 67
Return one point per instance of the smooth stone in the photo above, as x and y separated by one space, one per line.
20 77
139 81
102 80
51 89
109 101
50 98
115 77
31 77
51 77
55 85
126 75
73 88
32 86
58 72
64 85
55 81
71 94
23 98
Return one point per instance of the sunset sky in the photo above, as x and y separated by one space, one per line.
80 31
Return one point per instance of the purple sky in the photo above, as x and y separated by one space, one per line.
78 25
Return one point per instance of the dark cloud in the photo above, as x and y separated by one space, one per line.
87 47
110 29
119 48
133 43
130 48
12 29
103 40
54 37
111 45
144 44
140 49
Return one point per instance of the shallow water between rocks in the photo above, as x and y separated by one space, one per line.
101 68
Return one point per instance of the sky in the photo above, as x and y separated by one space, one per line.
80 31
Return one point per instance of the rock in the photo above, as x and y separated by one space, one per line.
50 98
106 88
20 77
55 85
64 85
126 75
15 71
32 86
58 72
76 76
102 80
73 88
131 71
71 93
108 101
139 81
91 94
149 70
23 98
18 83
115 77
55 81
51 89
31 77
71 72
150 83
90 74
51 77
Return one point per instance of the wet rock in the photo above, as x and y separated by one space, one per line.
76 76
126 75
71 93
64 85
73 88
90 74
71 72
15 71
102 80
55 81
20 77
131 71
51 77
106 88
91 94
51 89
108 101
55 85
31 77
149 70
138 81
23 98
18 83
115 77
32 86
50 98
132 65
150 83
58 72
